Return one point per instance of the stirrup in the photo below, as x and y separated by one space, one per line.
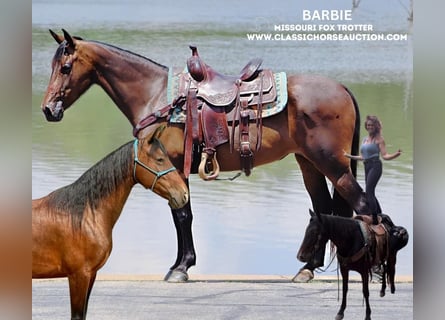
202 167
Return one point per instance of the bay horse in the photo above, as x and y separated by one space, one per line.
72 226
357 250
320 120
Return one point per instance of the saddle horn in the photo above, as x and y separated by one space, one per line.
196 66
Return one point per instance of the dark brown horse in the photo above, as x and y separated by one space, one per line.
72 226
321 119
357 250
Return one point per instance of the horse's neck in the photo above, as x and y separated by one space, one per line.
118 200
108 184
345 241
136 84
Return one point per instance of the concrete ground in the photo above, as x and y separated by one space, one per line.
221 297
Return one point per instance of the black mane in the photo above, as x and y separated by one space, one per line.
126 52
343 225
98 182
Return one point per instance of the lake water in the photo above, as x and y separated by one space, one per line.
252 225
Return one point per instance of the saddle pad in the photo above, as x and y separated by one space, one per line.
270 109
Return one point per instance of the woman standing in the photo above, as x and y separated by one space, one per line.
372 147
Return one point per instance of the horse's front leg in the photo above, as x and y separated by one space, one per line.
80 285
315 184
345 276
186 252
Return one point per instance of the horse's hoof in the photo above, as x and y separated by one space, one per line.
339 316
176 276
382 294
304 275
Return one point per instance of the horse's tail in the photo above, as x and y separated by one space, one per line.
339 205
356 137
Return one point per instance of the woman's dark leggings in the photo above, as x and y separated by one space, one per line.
373 172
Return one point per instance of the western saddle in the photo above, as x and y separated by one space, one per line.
212 101
378 238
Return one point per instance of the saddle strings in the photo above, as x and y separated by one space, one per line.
235 114
259 116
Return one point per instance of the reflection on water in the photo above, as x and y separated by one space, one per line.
251 225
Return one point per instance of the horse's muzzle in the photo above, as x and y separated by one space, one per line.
179 200
53 113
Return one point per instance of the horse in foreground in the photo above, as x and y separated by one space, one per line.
320 119
358 249
72 226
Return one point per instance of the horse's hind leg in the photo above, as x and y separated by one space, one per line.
80 288
365 287
317 188
349 189
340 206
392 270
385 272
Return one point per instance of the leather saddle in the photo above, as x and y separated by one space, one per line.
212 100
202 72
221 90
379 238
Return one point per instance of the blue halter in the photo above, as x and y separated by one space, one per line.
157 174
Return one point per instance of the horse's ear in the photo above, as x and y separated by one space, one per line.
315 214
319 216
56 37
157 132
68 39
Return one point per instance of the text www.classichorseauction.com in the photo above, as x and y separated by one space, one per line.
325 32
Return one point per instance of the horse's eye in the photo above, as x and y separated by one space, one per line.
66 68
160 160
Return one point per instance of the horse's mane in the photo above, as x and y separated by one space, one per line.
127 53
96 183
342 224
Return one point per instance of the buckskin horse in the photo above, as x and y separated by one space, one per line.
359 246
320 118
72 226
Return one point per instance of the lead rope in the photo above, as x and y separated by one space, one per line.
230 178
